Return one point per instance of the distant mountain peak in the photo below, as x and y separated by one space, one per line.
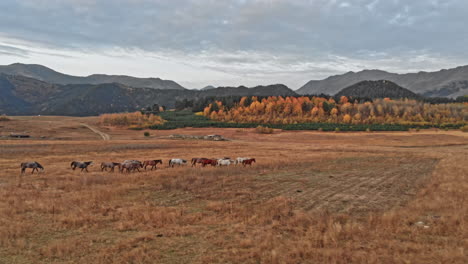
208 87
377 89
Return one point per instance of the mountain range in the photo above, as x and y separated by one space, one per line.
20 95
27 89
444 83
45 74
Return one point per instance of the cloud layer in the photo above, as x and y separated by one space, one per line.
239 41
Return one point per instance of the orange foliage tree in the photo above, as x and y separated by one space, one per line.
292 110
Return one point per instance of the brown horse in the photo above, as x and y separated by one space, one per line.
211 162
110 165
34 165
152 163
197 160
248 162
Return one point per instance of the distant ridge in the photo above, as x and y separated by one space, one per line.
377 89
209 87
439 83
20 95
45 74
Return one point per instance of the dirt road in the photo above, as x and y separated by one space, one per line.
103 135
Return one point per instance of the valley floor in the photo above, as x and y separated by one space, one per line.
312 197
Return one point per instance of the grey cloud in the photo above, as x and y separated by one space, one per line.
256 36
302 26
13 51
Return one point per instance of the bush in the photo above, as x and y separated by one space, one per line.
264 130
368 129
4 118
131 120
337 129
147 134
464 128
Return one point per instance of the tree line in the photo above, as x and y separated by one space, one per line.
314 109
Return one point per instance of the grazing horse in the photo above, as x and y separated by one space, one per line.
152 163
248 162
34 165
240 160
81 165
131 165
197 160
211 162
225 162
179 162
110 165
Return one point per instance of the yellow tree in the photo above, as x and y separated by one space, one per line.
343 99
347 118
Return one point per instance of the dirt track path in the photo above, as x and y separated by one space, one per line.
103 135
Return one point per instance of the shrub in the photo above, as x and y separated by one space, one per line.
368 129
464 128
4 118
131 120
147 134
264 130
337 129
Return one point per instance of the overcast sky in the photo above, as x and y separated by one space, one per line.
224 43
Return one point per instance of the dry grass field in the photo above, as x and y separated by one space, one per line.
312 197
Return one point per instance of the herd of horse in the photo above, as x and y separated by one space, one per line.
135 165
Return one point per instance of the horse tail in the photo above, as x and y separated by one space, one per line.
73 163
22 164
170 162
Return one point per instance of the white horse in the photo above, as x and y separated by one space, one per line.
179 162
225 162
240 160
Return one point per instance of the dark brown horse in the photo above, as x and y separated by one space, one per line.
110 165
34 165
152 163
81 165
211 162
248 162
197 160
